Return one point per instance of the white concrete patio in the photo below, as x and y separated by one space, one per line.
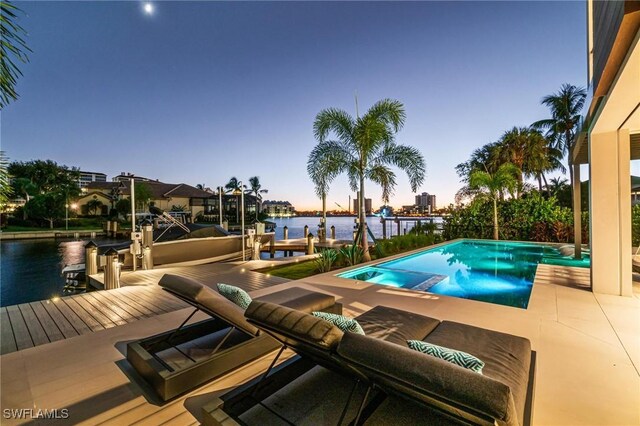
588 349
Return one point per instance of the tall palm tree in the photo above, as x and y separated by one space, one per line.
511 148
493 186
318 172
565 106
255 188
556 184
541 157
365 148
234 187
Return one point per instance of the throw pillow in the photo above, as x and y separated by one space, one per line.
235 294
343 323
460 358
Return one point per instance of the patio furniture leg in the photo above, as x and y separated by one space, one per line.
362 404
346 406
264 376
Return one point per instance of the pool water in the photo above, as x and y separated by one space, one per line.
489 271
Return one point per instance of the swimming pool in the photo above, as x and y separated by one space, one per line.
500 272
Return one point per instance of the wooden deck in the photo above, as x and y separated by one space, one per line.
37 323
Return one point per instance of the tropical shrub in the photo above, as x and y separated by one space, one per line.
529 218
325 261
351 254
635 225
402 243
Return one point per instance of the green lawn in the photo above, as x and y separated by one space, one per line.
293 271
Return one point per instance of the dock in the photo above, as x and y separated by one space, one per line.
37 323
300 245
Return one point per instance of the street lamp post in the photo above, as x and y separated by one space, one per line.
66 216
242 219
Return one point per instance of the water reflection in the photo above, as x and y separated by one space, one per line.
30 269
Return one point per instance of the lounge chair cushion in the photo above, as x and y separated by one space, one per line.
507 358
432 380
453 356
345 324
235 294
300 299
208 300
294 327
396 326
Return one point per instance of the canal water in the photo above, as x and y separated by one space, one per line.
30 269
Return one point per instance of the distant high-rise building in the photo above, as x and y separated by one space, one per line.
425 202
89 177
367 206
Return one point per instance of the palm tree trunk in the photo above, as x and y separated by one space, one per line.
495 219
539 183
324 218
546 185
363 222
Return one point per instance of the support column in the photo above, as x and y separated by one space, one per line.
577 212
610 212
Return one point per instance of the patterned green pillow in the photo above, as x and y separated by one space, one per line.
460 358
235 294
343 323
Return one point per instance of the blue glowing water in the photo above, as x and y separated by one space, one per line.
488 271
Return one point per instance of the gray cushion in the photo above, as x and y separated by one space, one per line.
294 327
210 300
507 358
300 299
395 325
186 287
399 369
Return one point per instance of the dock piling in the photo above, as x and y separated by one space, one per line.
90 259
306 231
286 232
333 232
310 247
111 270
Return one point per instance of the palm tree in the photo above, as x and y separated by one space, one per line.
93 205
234 187
365 148
565 106
12 49
317 173
556 185
493 186
255 188
541 157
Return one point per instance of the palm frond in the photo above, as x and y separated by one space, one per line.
385 177
407 159
333 120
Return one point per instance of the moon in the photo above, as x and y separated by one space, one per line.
147 7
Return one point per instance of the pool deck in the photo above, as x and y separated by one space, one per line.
588 351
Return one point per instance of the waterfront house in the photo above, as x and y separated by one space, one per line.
275 208
166 196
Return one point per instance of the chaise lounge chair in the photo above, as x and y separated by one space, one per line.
449 394
182 359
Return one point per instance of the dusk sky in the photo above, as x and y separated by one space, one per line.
197 92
